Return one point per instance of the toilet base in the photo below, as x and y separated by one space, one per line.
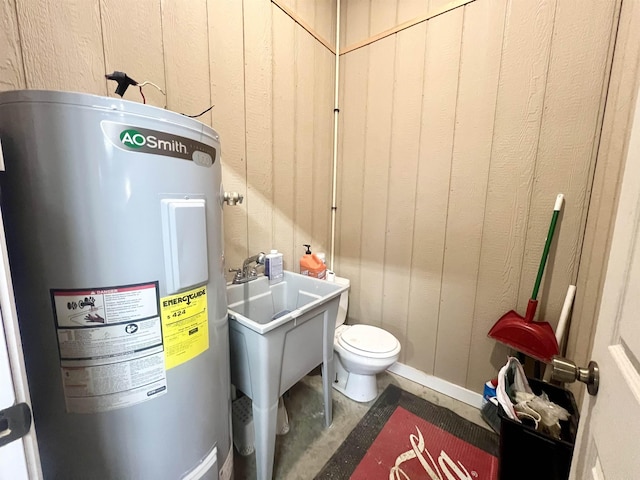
361 388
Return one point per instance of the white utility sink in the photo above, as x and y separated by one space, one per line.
279 333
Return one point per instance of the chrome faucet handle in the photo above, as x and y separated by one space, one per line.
238 275
232 198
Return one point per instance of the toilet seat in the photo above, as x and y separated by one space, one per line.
369 341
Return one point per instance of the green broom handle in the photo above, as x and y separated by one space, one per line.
547 245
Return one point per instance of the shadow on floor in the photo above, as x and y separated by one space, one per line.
301 453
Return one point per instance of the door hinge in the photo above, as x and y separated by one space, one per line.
15 423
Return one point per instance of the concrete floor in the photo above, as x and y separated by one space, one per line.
301 453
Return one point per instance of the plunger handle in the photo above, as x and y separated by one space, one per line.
554 219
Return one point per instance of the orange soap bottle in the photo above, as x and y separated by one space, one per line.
312 265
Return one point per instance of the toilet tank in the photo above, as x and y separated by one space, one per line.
344 301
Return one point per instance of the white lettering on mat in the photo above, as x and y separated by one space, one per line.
435 470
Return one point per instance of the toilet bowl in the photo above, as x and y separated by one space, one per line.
360 353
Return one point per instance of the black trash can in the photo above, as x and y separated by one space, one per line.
527 454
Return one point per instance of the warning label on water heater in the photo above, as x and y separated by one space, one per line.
111 346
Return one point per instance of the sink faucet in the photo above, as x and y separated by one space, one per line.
246 274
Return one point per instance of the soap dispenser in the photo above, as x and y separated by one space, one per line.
311 265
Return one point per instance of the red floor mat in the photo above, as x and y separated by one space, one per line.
405 437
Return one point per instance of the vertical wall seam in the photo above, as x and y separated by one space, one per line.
486 194
338 17
535 158
164 56
424 77
453 144
340 156
312 236
446 220
244 124
104 51
364 170
294 229
340 147
364 160
273 139
415 200
389 156
21 46
209 58
364 153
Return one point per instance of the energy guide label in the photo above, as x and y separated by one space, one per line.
185 325
111 346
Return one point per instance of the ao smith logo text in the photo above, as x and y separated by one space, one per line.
140 140
134 139
184 298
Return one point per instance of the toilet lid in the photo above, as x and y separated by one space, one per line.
367 338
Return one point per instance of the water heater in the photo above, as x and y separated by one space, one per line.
113 218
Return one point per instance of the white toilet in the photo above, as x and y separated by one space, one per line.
360 353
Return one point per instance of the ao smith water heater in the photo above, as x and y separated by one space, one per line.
113 217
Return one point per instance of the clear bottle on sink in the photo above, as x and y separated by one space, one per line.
273 267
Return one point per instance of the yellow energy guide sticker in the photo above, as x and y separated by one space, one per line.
185 326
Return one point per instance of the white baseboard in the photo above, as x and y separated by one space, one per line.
442 386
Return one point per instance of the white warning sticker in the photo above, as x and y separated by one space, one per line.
111 347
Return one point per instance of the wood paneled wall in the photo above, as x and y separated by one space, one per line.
456 135
270 81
